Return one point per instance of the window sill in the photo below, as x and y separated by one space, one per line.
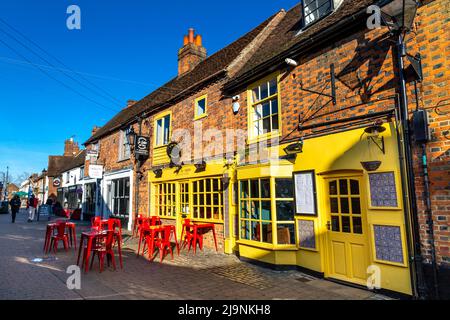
267 246
203 116
263 137
123 160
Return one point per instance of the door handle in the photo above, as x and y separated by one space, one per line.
329 225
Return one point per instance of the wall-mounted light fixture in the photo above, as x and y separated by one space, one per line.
158 173
200 166
294 148
131 137
291 62
374 132
236 104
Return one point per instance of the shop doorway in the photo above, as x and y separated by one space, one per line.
347 236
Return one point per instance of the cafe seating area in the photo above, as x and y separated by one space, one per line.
103 240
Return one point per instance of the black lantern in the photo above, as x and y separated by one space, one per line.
294 148
399 14
158 173
200 166
131 136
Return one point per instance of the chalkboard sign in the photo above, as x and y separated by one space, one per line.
44 210
388 244
383 192
306 234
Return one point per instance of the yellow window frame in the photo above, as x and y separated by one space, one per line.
205 114
155 124
252 138
206 194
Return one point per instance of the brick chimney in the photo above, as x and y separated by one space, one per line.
71 148
191 54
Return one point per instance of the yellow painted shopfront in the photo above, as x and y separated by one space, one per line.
353 229
199 193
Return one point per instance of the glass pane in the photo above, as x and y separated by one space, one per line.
266 211
285 211
258 112
244 210
284 188
159 131
267 232
166 129
255 209
245 230
201 186
333 188
354 187
256 231
345 206
244 189
275 123
334 206
273 87
216 186
266 109
265 188
356 206
256 96
266 125
216 201
286 234
274 103
264 90
335 224
343 187
208 185
254 186
357 225
346 224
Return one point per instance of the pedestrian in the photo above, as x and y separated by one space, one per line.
15 204
31 206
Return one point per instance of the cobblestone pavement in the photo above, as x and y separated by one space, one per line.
206 276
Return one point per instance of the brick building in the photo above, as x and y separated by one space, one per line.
313 175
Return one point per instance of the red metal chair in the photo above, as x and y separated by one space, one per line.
137 225
96 222
187 234
155 221
104 247
163 242
60 235
143 236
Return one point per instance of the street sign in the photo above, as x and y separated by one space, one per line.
142 147
95 171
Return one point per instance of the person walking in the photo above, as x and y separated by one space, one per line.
31 206
15 204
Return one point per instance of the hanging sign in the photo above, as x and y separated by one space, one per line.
96 172
57 182
142 147
305 193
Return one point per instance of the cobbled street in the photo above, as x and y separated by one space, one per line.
206 276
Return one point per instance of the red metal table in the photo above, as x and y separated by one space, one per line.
202 227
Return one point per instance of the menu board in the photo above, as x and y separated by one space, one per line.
388 244
306 234
383 192
305 193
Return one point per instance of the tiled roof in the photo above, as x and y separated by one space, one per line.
207 69
59 164
77 161
288 34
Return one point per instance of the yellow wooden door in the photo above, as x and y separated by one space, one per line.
183 204
348 248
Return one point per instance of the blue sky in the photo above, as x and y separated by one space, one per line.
126 48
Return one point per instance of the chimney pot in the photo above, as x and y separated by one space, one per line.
192 52
198 40
191 35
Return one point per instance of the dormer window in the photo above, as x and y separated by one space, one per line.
314 10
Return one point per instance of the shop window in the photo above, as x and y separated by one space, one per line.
256 215
265 110
207 200
165 200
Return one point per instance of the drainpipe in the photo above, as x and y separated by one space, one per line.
137 180
410 204
429 212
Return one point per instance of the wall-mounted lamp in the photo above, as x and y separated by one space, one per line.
236 104
200 166
131 137
374 132
158 173
291 62
294 148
